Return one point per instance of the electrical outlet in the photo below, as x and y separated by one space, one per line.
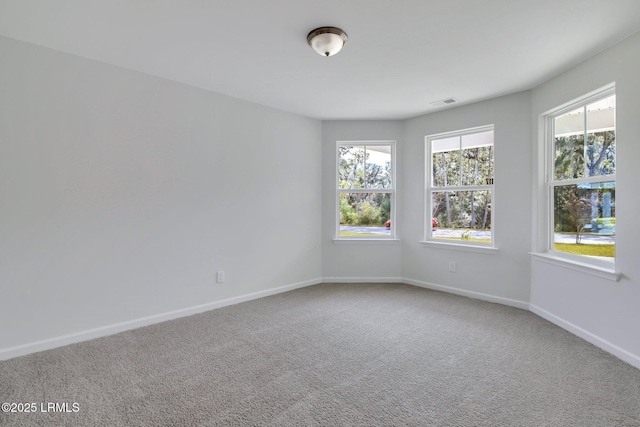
220 277
452 266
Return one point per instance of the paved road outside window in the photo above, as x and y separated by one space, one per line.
587 238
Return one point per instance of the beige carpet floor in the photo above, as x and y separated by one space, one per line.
332 355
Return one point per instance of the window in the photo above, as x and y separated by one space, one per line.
459 187
581 179
366 190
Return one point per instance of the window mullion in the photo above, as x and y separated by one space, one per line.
587 180
463 188
551 214
460 159
364 166
549 166
586 144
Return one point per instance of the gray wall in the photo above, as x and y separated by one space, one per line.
353 260
409 260
504 275
122 194
602 311
599 310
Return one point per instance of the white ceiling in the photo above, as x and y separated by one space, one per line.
401 55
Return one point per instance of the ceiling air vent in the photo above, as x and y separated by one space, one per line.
443 102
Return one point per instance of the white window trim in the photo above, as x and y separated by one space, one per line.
577 265
463 247
429 240
543 233
366 240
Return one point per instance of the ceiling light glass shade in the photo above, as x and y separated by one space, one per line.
327 41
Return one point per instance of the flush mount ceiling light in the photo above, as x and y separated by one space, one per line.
327 41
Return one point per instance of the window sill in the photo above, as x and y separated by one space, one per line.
366 241
459 247
603 272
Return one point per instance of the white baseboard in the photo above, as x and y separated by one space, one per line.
620 353
470 294
50 343
363 280
22 350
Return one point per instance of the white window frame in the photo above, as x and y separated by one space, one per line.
391 238
597 266
463 245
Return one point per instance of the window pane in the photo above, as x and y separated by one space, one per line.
351 167
446 161
480 139
574 159
601 137
569 145
584 219
462 215
446 168
477 165
571 123
445 144
365 214
378 166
